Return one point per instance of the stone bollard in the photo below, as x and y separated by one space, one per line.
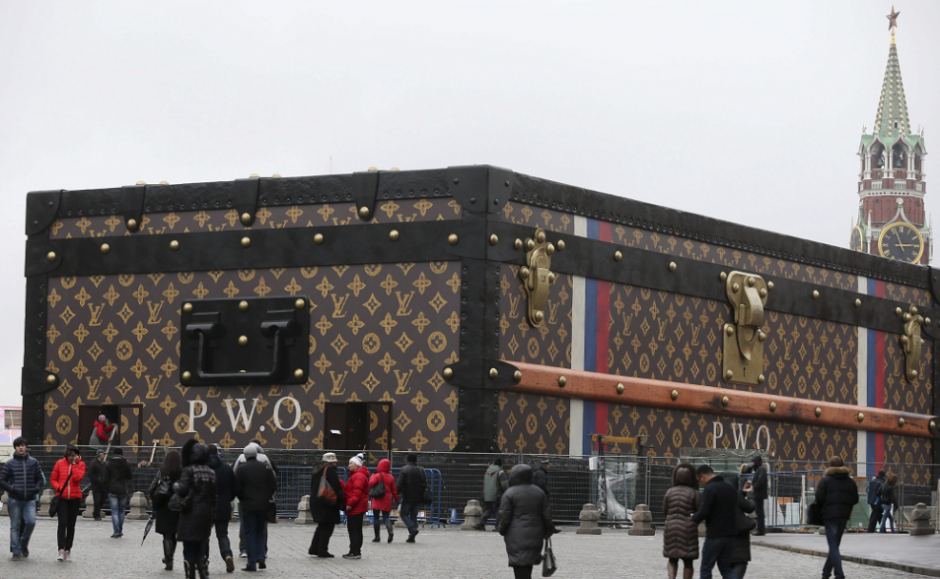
89 511
44 501
920 518
588 517
642 519
471 516
4 506
138 510
304 514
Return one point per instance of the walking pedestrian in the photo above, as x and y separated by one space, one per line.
22 480
759 484
160 492
836 493
261 457
325 511
889 501
67 474
495 483
741 544
412 483
525 520
680 535
117 475
357 503
197 487
719 503
225 492
96 474
255 485
383 499
874 500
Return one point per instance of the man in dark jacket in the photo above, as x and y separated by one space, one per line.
874 500
225 492
719 503
837 494
255 485
116 476
96 474
759 484
495 482
525 520
412 482
22 479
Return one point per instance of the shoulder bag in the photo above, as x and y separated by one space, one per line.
378 491
161 493
54 503
548 560
325 492
742 522
815 514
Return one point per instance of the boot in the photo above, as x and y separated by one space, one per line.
377 538
672 569
189 570
202 566
169 548
389 525
688 572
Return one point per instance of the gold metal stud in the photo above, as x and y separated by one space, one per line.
243 305
729 329
773 406
620 388
164 182
933 424
539 316
517 375
901 421
524 272
174 245
674 394
858 303
132 224
186 376
141 182
50 256
50 379
561 245
763 292
723 276
447 373
494 373
760 378
815 294
105 248
246 241
517 244
751 281
761 336
187 308
898 311
549 248
927 321
494 239
770 285
618 256
394 235
673 266
243 340
246 218
540 236
914 373
725 401
729 375
453 239
735 287
861 416
318 238
529 244
300 303
364 212
253 176
913 310
818 412
298 373
562 381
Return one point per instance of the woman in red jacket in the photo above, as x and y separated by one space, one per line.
382 504
66 476
102 430
357 503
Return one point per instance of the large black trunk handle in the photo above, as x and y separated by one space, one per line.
278 329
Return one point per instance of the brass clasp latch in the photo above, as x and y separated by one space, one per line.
537 276
912 343
743 357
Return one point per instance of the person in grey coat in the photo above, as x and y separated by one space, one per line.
525 520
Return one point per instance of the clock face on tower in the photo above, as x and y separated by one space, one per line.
901 241
856 244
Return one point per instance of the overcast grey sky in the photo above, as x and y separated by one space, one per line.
748 111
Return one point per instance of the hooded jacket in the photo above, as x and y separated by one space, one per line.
255 484
357 491
680 536
837 493
525 518
197 478
760 478
21 477
116 475
495 483
60 473
888 496
383 473
95 470
224 487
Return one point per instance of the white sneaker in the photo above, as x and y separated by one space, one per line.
61 556
68 556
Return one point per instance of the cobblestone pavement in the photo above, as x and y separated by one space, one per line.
439 553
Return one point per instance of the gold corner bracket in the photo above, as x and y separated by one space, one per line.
743 354
912 343
537 276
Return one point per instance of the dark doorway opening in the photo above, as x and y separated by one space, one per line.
116 414
358 426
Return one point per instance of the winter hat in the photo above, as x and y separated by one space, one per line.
73 448
118 451
100 451
356 460
757 460
102 418
329 457
251 451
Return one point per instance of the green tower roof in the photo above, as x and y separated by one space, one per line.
892 120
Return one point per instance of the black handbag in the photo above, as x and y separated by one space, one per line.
180 503
744 523
378 491
161 492
272 512
815 514
54 503
548 560
428 497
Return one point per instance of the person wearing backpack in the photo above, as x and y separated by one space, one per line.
67 473
196 497
161 489
889 502
384 494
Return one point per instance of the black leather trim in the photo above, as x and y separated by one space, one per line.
41 209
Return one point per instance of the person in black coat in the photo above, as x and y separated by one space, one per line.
325 513
836 494
255 485
719 503
525 520
117 475
225 493
167 520
412 482
741 544
96 474
889 502
874 500
197 481
759 484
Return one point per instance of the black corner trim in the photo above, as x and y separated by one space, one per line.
499 188
132 204
365 190
41 209
245 193
34 381
38 252
33 420
935 285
